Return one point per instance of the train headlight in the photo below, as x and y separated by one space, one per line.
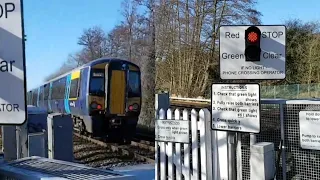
94 105
135 106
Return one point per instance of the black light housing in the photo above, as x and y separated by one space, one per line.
252 43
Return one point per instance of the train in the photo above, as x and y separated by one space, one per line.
102 96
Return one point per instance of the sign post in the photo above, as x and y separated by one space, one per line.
12 64
246 53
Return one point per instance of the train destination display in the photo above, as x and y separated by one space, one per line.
270 46
172 131
12 64
236 107
309 122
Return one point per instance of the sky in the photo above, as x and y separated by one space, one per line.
53 27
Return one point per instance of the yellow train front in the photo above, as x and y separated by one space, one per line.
103 96
114 99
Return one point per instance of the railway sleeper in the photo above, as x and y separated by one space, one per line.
123 149
144 146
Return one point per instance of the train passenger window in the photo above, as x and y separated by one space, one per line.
134 84
61 88
46 91
34 97
41 93
54 90
58 88
74 87
29 98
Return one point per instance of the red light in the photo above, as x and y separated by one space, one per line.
130 108
252 37
99 106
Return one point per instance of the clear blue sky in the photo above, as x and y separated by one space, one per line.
53 26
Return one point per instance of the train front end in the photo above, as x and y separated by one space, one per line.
115 98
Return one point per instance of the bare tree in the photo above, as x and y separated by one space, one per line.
94 41
187 38
129 12
147 51
116 42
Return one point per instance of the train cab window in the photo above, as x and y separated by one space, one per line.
134 84
97 83
97 86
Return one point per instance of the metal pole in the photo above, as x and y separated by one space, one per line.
283 150
232 156
298 90
253 139
239 156
18 142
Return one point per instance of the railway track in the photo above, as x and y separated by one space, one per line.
140 150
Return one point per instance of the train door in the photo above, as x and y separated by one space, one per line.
106 87
117 89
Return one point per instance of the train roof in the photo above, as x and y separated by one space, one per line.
89 64
105 59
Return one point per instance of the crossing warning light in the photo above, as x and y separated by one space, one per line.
252 43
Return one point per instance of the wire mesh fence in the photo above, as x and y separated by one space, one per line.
270 132
296 162
292 91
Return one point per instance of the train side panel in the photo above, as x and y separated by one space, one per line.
83 92
66 94
74 98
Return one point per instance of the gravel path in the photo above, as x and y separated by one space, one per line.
93 155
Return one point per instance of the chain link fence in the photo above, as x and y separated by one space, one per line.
293 91
280 125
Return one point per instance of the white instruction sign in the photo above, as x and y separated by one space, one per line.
236 107
172 131
309 122
272 64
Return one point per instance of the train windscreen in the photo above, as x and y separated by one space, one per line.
97 83
134 84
